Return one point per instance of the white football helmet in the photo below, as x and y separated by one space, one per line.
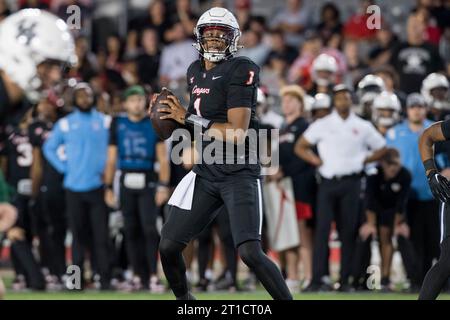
368 88
386 109
321 101
218 18
29 38
434 81
324 62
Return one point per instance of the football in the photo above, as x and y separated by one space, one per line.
163 127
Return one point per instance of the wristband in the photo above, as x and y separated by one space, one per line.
431 173
108 187
429 165
195 120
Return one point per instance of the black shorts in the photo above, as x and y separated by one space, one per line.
444 220
242 199
386 217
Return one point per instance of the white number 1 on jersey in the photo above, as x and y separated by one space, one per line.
251 75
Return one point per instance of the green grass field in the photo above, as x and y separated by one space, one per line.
258 295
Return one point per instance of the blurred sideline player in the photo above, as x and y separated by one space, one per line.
48 195
324 74
321 106
18 155
386 110
34 47
386 196
227 280
223 97
84 134
368 88
436 91
133 149
302 175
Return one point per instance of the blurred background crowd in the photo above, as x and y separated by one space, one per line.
397 77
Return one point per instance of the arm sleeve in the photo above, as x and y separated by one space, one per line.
50 147
445 127
313 133
242 85
113 132
375 140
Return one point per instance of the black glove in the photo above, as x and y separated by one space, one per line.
439 185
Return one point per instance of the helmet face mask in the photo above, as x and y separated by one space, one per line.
368 88
324 69
386 117
49 73
440 98
215 41
435 90
324 78
386 110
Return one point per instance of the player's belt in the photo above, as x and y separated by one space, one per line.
344 177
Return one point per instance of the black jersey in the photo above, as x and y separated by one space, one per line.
19 155
390 194
38 133
302 173
290 163
231 83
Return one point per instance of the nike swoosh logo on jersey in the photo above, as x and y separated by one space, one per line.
214 78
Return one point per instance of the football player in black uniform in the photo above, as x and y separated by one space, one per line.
19 156
440 187
48 195
222 105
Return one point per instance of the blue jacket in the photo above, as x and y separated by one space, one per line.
406 142
85 140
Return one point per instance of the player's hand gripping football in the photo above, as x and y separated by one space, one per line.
174 109
439 185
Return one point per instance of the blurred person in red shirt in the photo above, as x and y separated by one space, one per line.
299 72
356 26
432 31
